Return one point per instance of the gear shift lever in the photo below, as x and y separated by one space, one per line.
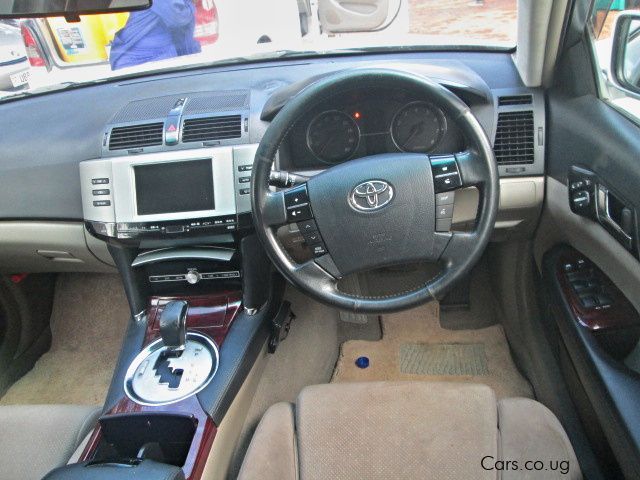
173 328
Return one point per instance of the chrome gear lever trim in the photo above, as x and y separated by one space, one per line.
160 376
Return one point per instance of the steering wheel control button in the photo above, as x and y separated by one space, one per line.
443 225
319 249
446 175
312 238
443 165
446 198
297 214
450 181
296 197
307 226
444 211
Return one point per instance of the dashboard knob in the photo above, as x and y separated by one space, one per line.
192 277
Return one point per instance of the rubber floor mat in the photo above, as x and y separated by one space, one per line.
443 359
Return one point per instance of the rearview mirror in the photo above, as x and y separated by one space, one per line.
625 57
70 9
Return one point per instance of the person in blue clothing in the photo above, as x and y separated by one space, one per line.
165 30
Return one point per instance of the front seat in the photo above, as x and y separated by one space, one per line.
35 439
387 430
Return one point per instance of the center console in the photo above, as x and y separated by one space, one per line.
159 415
203 297
177 216
164 195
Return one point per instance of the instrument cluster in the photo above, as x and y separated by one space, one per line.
351 127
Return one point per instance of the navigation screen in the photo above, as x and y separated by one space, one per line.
174 187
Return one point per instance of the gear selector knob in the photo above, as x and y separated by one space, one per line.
173 325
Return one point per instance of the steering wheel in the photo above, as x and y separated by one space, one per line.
378 210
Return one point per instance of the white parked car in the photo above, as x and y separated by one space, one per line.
14 66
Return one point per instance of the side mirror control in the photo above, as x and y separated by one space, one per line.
582 192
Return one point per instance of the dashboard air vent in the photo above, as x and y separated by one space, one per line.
514 100
136 136
212 128
514 138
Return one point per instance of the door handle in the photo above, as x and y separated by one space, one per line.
603 211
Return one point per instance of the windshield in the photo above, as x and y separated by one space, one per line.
49 53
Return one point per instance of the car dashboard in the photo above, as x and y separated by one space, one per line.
73 186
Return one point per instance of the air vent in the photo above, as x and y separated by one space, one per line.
514 100
514 138
136 136
212 128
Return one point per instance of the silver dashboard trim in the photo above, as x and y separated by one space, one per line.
170 254
118 178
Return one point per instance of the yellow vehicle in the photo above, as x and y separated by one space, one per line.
86 41
55 42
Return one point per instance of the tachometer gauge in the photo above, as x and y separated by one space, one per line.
333 136
418 127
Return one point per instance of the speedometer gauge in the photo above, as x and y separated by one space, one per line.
333 136
418 127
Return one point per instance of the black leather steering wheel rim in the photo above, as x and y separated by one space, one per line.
458 252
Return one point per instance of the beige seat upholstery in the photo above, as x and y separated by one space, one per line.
35 439
408 430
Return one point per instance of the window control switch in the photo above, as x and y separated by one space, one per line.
588 301
580 285
603 300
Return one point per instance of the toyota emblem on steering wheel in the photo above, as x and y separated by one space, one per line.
371 195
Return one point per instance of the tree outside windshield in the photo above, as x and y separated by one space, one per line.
48 53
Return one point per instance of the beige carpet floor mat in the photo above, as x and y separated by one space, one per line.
415 347
88 322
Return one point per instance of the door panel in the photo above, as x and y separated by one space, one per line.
588 137
586 131
352 15
560 225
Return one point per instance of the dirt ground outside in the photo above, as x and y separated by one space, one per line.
493 20
608 18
